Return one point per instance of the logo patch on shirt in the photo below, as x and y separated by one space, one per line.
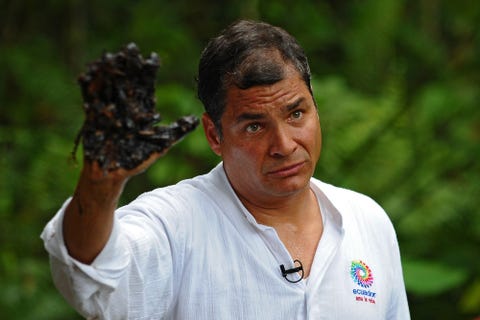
362 276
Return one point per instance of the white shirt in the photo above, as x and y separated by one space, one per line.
193 251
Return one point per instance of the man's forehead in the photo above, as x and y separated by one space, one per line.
256 102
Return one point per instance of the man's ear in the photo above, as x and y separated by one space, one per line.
212 134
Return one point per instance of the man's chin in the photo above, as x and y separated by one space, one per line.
290 188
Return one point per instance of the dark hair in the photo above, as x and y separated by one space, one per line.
246 54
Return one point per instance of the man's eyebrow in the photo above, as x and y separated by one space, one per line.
295 104
247 116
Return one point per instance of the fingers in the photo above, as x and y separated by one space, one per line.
146 163
97 172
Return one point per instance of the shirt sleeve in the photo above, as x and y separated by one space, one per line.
399 309
124 279
86 287
398 306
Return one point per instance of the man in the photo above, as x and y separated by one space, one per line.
255 238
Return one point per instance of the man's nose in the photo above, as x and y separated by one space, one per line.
282 142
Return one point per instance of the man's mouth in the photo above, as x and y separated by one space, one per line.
287 170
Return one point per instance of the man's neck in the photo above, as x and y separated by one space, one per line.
298 224
294 211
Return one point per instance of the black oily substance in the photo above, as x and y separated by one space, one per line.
120 128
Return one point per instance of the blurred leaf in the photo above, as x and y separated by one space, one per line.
470 301
427 277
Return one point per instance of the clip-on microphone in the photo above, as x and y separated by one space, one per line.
286 272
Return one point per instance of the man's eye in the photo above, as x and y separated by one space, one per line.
297 114
253 127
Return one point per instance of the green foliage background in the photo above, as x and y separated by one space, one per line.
396 81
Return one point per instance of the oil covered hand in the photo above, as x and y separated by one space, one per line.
120 130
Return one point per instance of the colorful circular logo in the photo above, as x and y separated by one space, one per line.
361 274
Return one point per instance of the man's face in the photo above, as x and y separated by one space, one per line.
271 139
